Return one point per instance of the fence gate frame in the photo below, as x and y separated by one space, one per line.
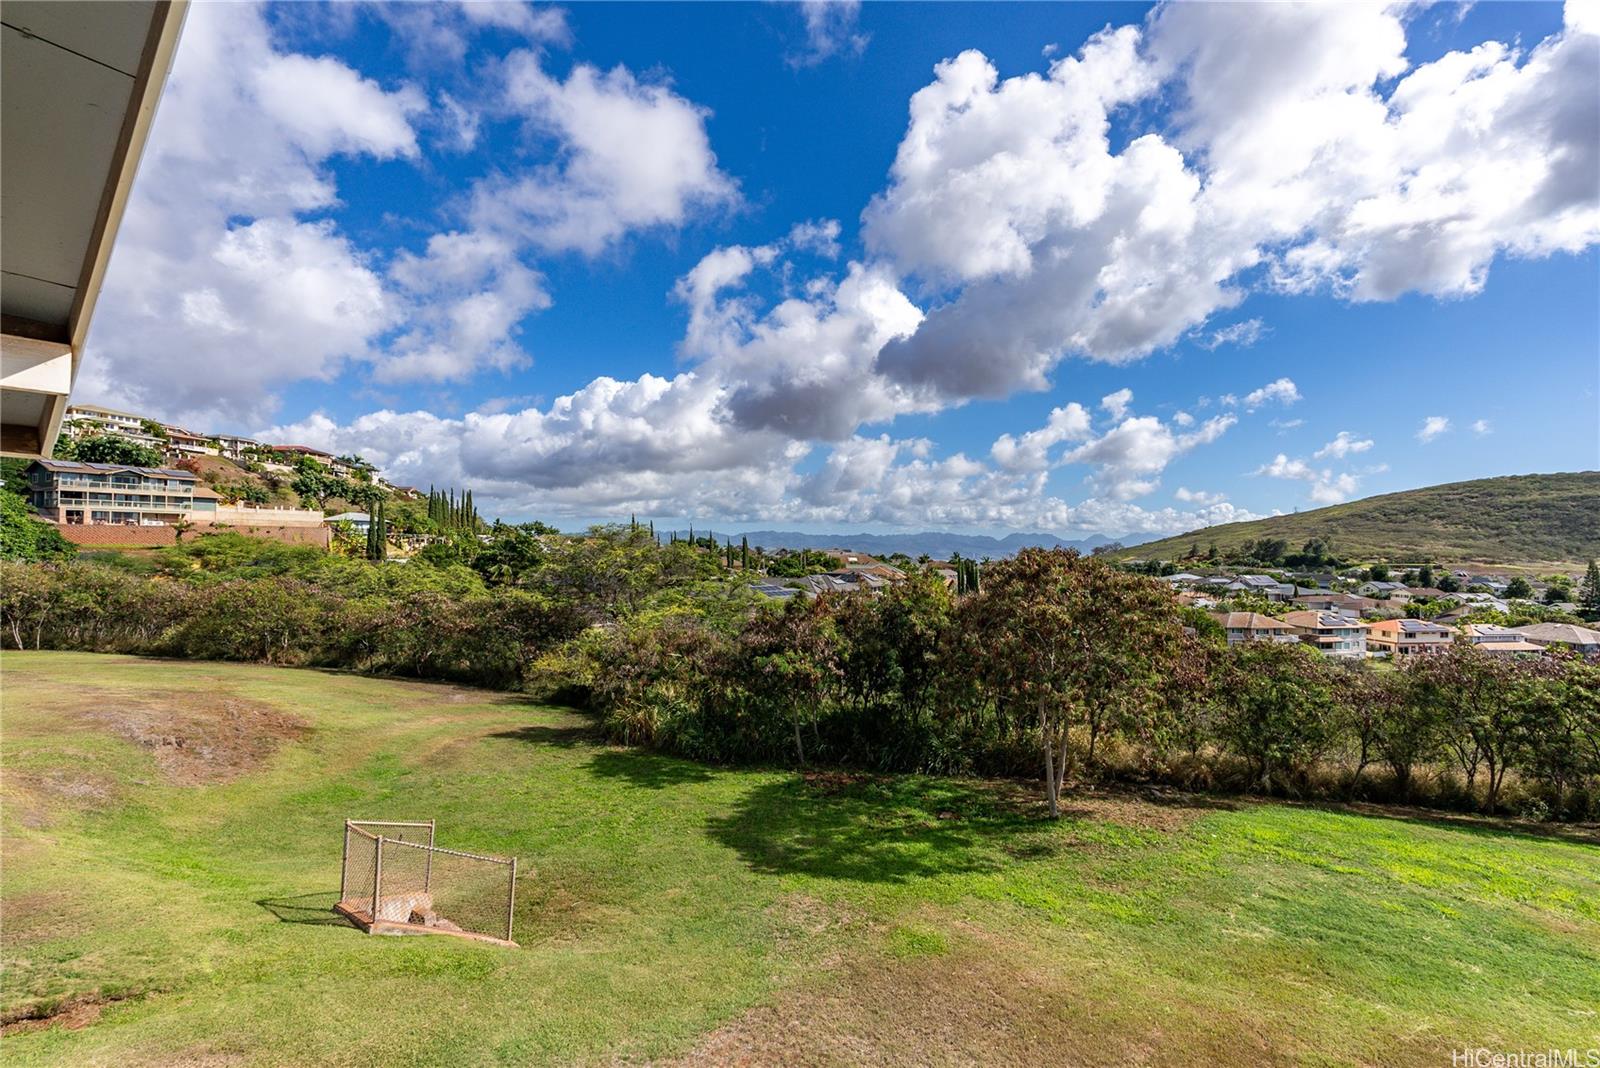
361 904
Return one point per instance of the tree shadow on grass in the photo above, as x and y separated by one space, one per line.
315 910
560 737
1468 823
881 829
649 770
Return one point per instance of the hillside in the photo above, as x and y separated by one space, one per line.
1524 520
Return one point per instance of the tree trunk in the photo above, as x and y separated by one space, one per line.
799 744
1051 790
1497 778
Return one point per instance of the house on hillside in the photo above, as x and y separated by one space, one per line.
1568 635
1330 633
1493 638
361 521
1254 627
82 420
188 443
816 585
1270 588
234 447
1380 589
1346 603
79 494
1407 637
290 454
887 572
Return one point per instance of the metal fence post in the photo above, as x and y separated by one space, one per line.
377 877
511 899
427 871
344 863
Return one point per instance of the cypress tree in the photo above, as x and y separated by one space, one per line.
1589 592
744 553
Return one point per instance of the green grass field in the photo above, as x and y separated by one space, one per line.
169 903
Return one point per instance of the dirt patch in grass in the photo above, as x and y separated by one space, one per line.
38 793
1164 811
72 1014
195 737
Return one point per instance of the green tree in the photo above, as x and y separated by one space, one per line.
1072 642
1558 590
1278 710
1378 572
25 537
793 658
1519 589
1589 592
107 449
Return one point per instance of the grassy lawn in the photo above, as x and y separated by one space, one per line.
171 901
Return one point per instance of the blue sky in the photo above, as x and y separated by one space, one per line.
1078 268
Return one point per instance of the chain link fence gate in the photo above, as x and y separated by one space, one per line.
394 880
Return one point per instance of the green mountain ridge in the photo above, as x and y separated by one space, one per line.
1523 521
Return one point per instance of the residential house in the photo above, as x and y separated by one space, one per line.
1380 589
815 585
858 579
189 443
772 589
82 419
1183 578
1270 588
289 454
69 492
361 521
1482 600
887 572
1254 627
235 447
1407 637
1331 633
1493 638
1569 635
1406 596
1346 603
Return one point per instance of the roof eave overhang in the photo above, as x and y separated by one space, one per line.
39 361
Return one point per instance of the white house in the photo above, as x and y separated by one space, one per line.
361 521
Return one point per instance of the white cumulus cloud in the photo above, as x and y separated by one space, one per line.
1343 444
1432 427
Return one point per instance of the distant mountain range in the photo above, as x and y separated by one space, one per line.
940 545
